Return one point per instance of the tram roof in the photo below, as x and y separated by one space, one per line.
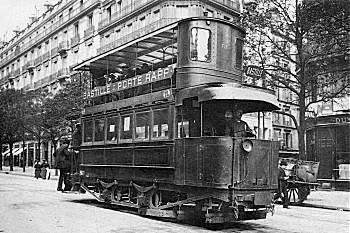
254 99
151 48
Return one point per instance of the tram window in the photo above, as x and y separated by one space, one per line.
160 124
88 131
112 128
200 45
239 53
183 129
188 120
142 125
126 127
99 130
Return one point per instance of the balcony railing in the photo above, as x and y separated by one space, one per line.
46 56
124 11
63 46
54 51
64 72
38 60
15 73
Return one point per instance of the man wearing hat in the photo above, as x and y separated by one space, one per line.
282 184
62 162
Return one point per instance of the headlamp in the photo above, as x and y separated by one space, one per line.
247 145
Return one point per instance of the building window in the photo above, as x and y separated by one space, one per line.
76 29
90 22
109 13
119 6
200 45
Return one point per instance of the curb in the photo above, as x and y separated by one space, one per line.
325 207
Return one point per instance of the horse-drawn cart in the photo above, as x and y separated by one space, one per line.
302 177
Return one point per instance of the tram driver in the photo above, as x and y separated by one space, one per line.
235 126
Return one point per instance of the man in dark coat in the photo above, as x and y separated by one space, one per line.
282 184
235 126
62 162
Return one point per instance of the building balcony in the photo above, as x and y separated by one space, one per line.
62 73
105 22
75 41
63 46
54 52
88 33
16 73
66 20
38 60
46 56
30 65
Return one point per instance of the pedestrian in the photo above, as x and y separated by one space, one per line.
37 167
76 142
62 162
45 171
282 184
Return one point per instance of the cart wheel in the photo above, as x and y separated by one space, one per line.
297 195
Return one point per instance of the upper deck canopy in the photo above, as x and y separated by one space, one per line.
156 44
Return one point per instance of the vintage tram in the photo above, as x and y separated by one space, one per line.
154 140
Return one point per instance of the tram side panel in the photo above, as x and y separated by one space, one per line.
203 162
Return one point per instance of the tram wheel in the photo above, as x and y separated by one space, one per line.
116 193
297 195
154 200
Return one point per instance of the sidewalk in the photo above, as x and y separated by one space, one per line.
337 200
29 171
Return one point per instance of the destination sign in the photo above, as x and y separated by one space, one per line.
254 71
152 76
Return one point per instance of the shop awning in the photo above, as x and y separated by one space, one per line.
6 152
18 151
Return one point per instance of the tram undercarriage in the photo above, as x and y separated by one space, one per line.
212 206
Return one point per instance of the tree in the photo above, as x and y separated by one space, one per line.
60 108
11 104
307 34
34 116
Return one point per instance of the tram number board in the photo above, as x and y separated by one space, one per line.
152 76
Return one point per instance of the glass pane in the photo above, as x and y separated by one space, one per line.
126 127
99 129
142 125
88 131
239 53
183 129
160 124
112 128
200 45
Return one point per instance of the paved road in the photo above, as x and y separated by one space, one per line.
30 205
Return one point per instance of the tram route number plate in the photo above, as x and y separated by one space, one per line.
263 198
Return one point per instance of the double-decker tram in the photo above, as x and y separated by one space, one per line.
154 135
